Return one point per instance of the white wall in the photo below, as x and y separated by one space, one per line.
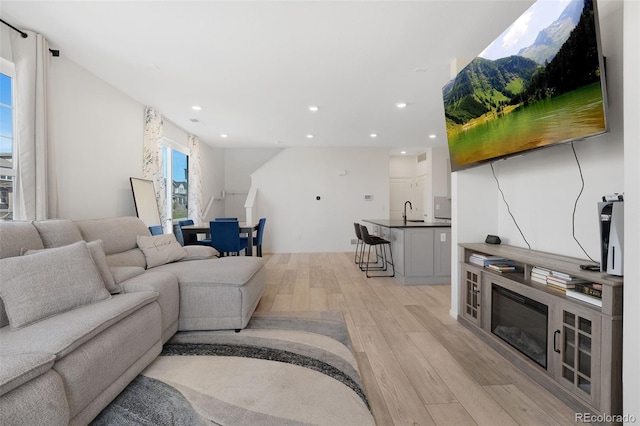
239 164
403 166
631 346
474 215
287 190
438 175
440 171
175 134
96 137
212 160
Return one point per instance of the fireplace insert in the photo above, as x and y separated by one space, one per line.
521 322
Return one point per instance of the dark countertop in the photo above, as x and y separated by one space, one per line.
399 223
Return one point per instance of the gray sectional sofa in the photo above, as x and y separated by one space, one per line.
86 305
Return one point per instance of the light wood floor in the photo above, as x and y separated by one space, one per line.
419 366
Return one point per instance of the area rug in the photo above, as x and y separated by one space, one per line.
283 369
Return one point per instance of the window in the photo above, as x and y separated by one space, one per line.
176 175
7 139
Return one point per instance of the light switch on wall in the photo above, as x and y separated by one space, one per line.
443 237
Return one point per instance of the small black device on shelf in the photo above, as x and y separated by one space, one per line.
492 239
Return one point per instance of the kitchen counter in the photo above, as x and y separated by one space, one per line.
421 250
399 223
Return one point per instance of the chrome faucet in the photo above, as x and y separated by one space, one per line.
404 214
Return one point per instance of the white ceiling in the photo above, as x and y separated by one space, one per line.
255 66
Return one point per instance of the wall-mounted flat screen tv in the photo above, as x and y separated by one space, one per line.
539 84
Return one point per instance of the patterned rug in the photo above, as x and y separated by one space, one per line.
283 369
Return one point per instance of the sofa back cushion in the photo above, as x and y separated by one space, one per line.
57 232
15 237
49 282
119 238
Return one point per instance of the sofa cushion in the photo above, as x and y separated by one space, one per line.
49 282
124 273
161 249
38 402
57 232
20 368
198 252
100 260
63 333
118 234
16 236
166 284
133 257
234 271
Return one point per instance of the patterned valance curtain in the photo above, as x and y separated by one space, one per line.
35 193
152 162
195 181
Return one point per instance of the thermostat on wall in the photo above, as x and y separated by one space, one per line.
368 197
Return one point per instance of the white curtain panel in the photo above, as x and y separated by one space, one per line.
152 163
35 195
195 181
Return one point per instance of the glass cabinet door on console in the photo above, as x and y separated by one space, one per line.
577 343
471 294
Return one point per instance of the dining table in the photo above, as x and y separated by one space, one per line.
190 233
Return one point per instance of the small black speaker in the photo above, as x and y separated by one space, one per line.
492 239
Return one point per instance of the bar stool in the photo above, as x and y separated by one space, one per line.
358 257
373 241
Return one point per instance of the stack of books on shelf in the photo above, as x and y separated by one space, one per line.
587 292
495 263
573 287
501 267
539 274
562 281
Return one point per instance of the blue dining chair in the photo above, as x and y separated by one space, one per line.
187 222
257 240
225 237
226 218
156 230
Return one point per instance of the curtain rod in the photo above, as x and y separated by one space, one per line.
54 52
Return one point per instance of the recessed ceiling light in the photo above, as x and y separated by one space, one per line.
401 105
403 152
432 136
313 108
194 120
309 136
373 135
196 108
223 135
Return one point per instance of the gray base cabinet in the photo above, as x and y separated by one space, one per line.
421 255
583 340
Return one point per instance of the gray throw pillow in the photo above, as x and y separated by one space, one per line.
100 259
50 282
161 249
